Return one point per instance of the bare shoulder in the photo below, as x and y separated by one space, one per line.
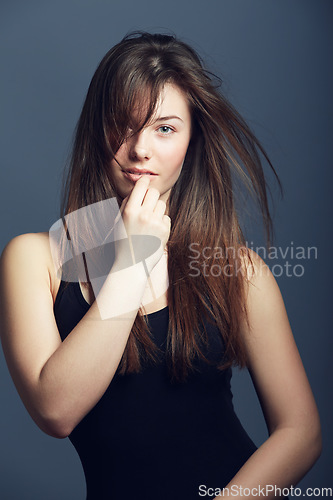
29 250
253 266
28 246
264 301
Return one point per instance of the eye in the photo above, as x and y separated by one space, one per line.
165 130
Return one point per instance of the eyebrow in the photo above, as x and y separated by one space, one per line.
164 118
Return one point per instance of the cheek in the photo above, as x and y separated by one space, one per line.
121 153
173 157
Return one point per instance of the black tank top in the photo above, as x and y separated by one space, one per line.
150 439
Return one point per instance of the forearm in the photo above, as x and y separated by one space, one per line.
79 371
281 461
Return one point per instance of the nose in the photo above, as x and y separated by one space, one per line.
140 147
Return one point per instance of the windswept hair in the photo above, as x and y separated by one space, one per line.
202 201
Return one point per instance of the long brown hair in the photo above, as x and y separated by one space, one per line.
202 201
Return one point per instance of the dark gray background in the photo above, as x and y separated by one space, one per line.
275 59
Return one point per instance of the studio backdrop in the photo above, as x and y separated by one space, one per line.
275 61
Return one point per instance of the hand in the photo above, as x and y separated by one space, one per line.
147 226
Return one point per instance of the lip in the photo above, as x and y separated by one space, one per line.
133 174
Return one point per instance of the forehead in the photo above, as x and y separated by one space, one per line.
172 97
171 101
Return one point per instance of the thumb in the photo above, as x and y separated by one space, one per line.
167 220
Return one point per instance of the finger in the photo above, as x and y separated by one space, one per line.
167 221
151 198
138 193
160 208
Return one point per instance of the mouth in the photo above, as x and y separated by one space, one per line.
135 174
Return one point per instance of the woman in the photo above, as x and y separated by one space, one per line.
134 363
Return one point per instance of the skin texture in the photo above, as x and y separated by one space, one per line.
48 372
160 147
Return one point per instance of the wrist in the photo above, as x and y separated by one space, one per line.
121 291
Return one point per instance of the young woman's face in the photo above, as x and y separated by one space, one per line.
160 147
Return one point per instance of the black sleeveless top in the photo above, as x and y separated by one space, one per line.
150 439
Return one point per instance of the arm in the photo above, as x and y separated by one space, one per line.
59 382
278 375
